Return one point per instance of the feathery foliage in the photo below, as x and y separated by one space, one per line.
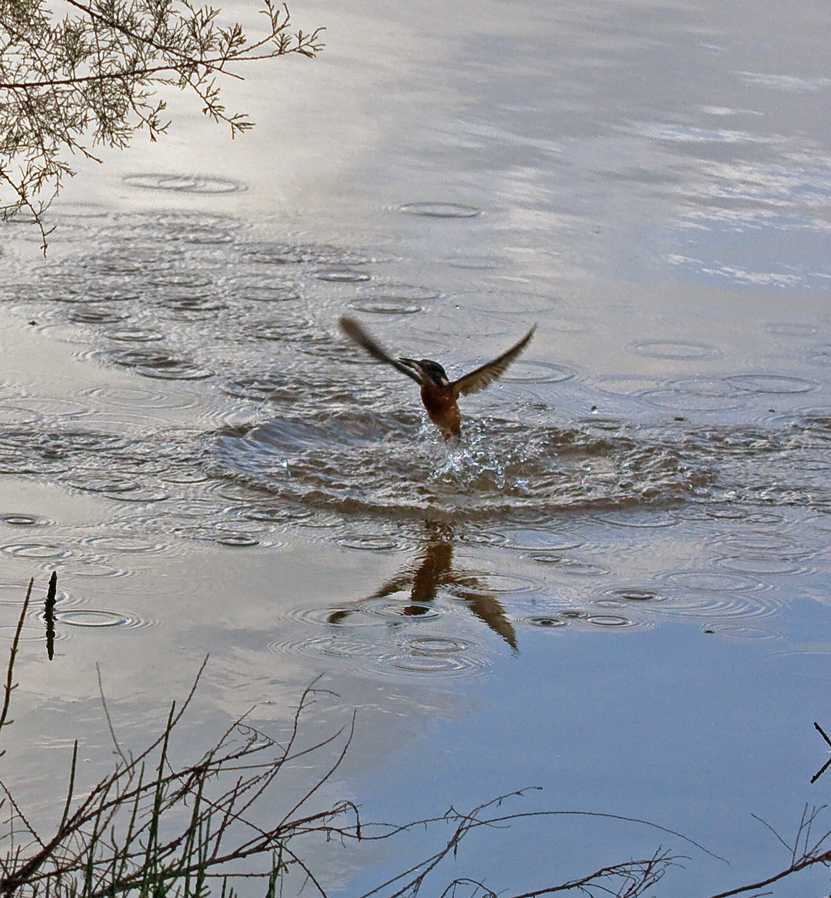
91 79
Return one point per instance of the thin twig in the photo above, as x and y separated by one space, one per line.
10 685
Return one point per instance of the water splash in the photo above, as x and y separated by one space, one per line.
372 462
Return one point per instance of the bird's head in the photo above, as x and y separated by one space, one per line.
428 370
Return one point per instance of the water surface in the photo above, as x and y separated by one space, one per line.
616 588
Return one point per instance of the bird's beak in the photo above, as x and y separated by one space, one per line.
411 363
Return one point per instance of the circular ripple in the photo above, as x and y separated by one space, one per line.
696 394
764 518
78 211
393 299
761 566
636 595
626 384
113 486
104 483
237 540
762 544
342 275
392 609
511 302
93 568
570 566
36 550
242 534
259 387
789 329
637 518
134 335
96 315
716 513
87 617
195 280
771 383
184 477
675 350
710 581
345 615
426 665
15 594
22 520
386 305
501 583
440 210
696 603
192 308
184 183
529 372
481 538
274 514
364 654
160 365
530 539
563 617
613 621
431 654
132 398
436 645
300 254
368 542
574 614
258 289
546 620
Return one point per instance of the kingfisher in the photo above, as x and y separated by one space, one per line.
438 393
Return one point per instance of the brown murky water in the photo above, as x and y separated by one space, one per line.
616 587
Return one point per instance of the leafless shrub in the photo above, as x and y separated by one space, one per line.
157 828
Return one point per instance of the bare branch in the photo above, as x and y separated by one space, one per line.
10 684
91 79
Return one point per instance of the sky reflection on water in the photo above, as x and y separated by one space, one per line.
619 589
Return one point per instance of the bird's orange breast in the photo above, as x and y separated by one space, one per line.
442 408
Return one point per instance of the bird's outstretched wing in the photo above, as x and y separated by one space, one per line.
358 335
486 374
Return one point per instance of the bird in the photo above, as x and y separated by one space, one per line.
438 393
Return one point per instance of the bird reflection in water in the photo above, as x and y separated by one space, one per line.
433 571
